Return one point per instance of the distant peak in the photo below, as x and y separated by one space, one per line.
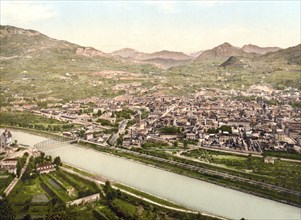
226 44
8 30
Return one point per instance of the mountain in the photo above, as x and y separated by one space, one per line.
18 42
128 53
35 65
271 60
291 55
220 53
165 54
250 48
162 58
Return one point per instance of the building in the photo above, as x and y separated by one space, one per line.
45 168
9 164
269 160
5 139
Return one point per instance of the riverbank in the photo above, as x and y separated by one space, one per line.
136 192
245 187
196 200
32 131
232 179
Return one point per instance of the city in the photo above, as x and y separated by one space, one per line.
150 110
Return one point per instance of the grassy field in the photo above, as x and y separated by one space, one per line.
148 196
32 121
29 198
282 173
41 196
5 179
35 196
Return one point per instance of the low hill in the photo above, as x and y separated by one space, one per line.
234 61
291 55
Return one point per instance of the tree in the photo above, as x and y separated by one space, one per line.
170 130
6 211
249 161
111 194
81 133
176 144
107 186
27 217
26 174
226 128
19 167
48 158
185 144
42 155
57 161
212 131
120 140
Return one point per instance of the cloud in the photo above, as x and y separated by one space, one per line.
164 6
24 12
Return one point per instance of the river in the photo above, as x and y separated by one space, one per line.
194 194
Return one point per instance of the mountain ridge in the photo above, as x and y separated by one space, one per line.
26 42
251 48
163 58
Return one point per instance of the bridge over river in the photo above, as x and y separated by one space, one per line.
55 141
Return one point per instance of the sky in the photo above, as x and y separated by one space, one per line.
150 26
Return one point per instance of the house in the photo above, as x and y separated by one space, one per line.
269 160
45 168
191 136
5 138
9 164
35 152
89 135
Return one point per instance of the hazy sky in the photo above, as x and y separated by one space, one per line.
159 25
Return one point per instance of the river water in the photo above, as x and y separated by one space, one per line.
195 194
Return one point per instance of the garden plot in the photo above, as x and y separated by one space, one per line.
50 184
40 198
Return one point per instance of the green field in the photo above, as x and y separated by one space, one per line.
5 179
34 196
46 195
282 173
